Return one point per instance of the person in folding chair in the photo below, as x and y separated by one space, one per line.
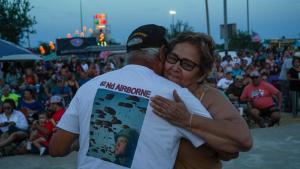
264 100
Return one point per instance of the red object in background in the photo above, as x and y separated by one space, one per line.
103 22
99 16
42 50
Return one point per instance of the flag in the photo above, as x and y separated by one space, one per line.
255 37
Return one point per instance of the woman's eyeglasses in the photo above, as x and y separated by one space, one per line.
6 108
186 64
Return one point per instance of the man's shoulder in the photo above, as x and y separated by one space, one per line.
248 87
265 84
213 92
164 81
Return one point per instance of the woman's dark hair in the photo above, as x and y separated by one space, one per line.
11 102
204 44
294 60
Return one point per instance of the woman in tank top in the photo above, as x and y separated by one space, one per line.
189 60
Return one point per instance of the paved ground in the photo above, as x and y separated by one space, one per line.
37 162
274 148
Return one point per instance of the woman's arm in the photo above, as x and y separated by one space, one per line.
227 132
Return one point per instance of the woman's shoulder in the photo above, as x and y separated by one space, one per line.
211 96
207 90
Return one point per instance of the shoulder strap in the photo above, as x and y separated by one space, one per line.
205 88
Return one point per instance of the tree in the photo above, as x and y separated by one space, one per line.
242 40
15 20
179 27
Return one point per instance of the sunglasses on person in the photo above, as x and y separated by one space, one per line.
6 108
254 77
186 64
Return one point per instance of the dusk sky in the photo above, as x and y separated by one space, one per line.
269 18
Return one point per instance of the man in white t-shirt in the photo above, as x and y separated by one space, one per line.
225 82
105 108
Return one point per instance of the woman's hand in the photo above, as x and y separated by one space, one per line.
174 112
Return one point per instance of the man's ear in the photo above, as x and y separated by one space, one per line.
162 53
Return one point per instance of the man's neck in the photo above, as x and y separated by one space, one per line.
151 65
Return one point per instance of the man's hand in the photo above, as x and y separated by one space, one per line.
4 124
11 123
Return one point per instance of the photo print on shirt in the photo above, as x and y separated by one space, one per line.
115 126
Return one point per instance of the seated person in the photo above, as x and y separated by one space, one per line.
224 83
62 89
235 90
40 134
259 94
8 94
30 106
13 125
57 109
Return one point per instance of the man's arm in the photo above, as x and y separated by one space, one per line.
61 142
275 94
279 99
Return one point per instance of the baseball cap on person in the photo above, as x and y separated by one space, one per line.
239 77
147 36
228 71
255 73
6 87
56 99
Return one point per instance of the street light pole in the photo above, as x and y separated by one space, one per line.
207 17
248 22
173 20
225 28
81 27
172 13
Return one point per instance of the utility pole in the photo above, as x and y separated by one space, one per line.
248 22
207 17
81 27
225 28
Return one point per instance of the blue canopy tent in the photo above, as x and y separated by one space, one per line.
50 57
297 43
13 52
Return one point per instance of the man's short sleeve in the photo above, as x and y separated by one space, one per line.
245 94
272 89
70 119
194 106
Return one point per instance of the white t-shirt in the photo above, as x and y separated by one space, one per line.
17 117
225 64
224 83
287 64
249 60
118 101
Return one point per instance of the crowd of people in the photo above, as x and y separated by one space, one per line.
33 99
261 83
